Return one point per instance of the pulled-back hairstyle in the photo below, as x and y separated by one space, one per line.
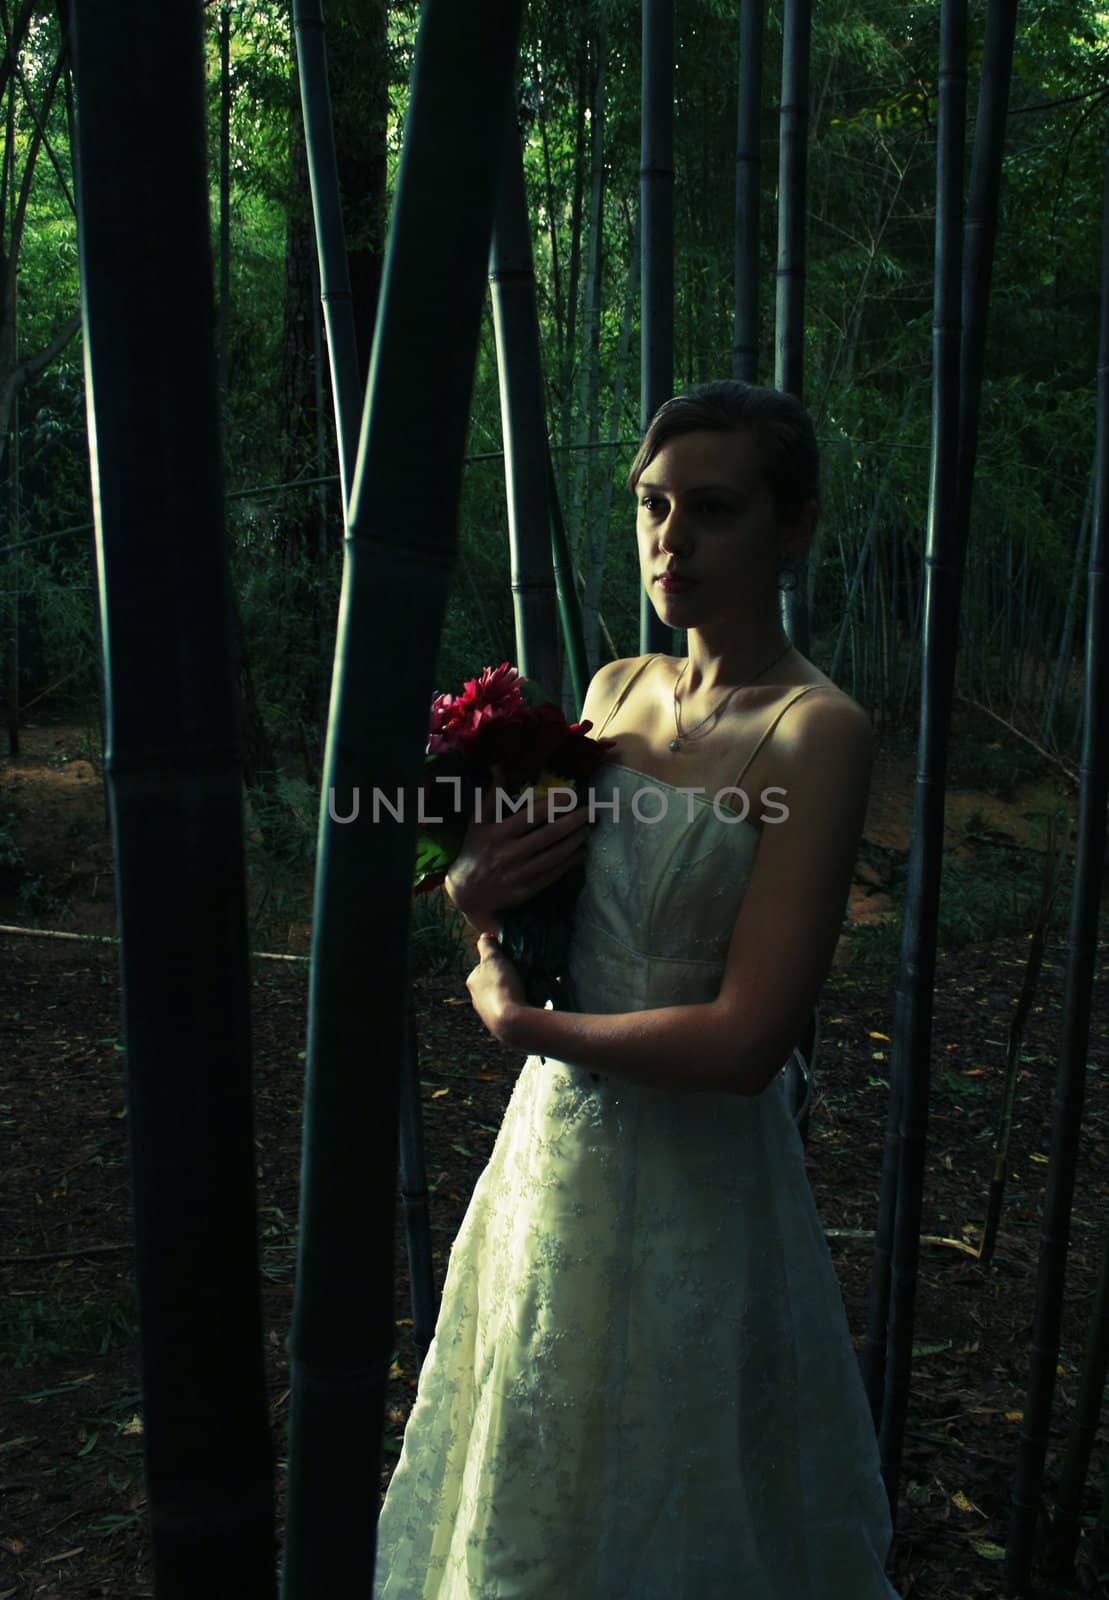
781 425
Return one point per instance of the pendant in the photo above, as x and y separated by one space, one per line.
675 744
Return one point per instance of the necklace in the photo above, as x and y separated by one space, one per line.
681 738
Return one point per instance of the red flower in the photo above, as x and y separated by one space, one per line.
538 737
457 721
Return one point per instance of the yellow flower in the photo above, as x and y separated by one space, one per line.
545 781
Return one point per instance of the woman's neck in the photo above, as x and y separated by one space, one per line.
720 666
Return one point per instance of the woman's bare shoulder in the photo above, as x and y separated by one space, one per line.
826 720
829 739
832 703
605 686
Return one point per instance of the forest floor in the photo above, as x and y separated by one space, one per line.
72 1507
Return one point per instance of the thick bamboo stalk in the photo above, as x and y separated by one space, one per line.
174 775
980 233
906 1140
656 210
789 322
1066 1530
748 169
335 289
400 549
523 423
1070 1084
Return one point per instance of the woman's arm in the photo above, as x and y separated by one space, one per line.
781 948
504 863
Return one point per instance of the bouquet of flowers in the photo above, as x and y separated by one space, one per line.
503 730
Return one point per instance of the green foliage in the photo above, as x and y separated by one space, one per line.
437 938
995 768
50 1328
280 858
995 895
11 856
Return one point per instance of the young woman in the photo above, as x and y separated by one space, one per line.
642 1384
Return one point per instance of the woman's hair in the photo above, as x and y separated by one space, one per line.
781 425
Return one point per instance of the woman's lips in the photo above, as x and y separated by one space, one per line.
675 585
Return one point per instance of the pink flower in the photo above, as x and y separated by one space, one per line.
457 720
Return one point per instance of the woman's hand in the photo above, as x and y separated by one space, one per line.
503 864
496 988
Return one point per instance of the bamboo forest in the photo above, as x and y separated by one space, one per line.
328 335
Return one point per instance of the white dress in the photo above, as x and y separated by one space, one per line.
642 1384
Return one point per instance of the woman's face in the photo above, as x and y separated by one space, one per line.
705 511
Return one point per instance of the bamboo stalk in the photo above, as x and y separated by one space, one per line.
656 210
1070 1085
400 549
574 268
569 606
105 938
1053 866
1063 658
789 321
174 775
1060 766
589 369
897 1249
793 153
334 269
591 602
223 321
14 710
748 169
523 423
413 1190
1066 1530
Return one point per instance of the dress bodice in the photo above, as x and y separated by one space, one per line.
665 874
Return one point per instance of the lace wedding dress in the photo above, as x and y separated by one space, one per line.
642 1384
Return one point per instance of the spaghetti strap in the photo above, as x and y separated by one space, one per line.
807 689
622 696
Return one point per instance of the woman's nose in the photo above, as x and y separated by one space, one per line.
674 534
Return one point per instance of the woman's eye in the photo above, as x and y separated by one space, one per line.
712 508
650 502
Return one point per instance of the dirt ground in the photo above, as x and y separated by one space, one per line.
72 1508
